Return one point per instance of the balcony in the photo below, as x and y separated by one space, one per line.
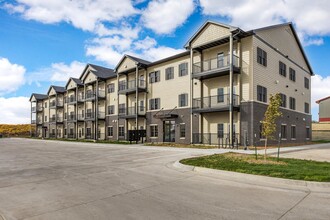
80 117
71 118
40 108
130 112
80 98
56 120
33 121
34 109
215 67
56 104
90 96
101 115
217 103
90 116
130 87
71 100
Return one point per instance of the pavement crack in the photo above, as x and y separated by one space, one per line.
295 205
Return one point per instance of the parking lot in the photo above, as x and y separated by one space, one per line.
70 180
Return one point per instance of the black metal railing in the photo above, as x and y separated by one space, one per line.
221 140
132 111
92 95
71 117
131 85
89 136
71 99
56 119
101 115
80 98
89 115
54 103
214 63
217 101
52 135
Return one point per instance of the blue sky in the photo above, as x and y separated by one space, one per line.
46 42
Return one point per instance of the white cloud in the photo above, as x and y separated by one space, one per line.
57 72
320 88
310 17
15 110
85 14
164 16
11 75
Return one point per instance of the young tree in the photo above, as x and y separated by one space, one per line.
271 115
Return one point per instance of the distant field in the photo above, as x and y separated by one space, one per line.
21 130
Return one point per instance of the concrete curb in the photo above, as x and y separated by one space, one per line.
258 180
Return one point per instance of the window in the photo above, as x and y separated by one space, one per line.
220 97
183 69
293 132
306 83
220 130
282 69
261 93
121 132
292 74
292 103
45 118
45 104
154 104
111 88
261 57
283 131
141 106
65 115
121 109
306 108
153 130
110 131
283 99
83 131
308 133
53 131
122 85
88 113
169 73
111 109
182 130
183 100
65 131
88 132
154 77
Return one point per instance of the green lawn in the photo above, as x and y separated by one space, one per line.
286 168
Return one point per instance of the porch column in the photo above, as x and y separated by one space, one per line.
96 113
231 95
117 106
136 96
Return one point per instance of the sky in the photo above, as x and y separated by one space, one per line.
43 43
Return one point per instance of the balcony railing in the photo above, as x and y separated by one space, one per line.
217 102
52 135
89 136
55 104
34 109
80 98
89 116
71 100
71 118
131 111
80 117
214 67
130 86
101 115
39 108
56 119
91 95
220 139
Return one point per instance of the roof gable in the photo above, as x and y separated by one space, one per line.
98 71
36 97
284 38
209 31
129 62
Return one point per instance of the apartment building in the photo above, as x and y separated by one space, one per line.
216 92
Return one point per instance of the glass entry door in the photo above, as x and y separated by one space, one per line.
169 131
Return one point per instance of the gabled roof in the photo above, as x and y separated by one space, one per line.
231 28
99 71
58 89
296 38
137 60
77 81
38 96
175 56
321 100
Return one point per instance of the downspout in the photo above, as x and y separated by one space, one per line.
136 96
117 106
96 113
231 95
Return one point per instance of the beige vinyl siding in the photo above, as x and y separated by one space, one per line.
71 84
112 97
168 90
283 39
52 92
127 64
90 77
246 65
324 111
270 78
210 33
211 121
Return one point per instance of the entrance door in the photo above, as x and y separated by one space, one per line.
169 131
